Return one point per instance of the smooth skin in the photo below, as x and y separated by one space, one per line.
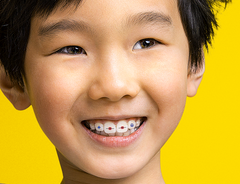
107 60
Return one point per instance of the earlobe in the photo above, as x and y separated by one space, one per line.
194 80
15 94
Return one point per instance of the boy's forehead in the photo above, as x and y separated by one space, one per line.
162 12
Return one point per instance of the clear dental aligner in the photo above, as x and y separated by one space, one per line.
114 128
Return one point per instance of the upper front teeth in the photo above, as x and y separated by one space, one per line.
109 128
122 128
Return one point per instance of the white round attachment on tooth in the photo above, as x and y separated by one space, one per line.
109 128
131 124
99 126
122 126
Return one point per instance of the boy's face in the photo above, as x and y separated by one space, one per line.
134 66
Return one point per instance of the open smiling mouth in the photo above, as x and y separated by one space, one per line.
114 128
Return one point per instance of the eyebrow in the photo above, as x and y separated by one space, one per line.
63 25
157 18
150 18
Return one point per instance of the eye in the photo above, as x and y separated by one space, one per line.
145 44
72 50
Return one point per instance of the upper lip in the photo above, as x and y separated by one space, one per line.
114 118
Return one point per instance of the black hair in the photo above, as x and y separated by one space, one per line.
198 19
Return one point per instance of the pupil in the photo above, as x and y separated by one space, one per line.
146 43
75 50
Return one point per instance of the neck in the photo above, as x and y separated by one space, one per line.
151 173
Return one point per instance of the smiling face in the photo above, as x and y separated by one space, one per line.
113 63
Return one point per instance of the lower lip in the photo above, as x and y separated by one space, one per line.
116 141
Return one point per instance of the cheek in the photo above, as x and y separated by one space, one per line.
167 88
53 92
170 100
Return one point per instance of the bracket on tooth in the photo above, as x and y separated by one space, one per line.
122 127
109 128
131 124
99 126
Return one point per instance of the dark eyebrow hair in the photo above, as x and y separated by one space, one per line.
149 17
73 25
63 25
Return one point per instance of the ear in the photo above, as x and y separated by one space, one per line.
194 80
15 94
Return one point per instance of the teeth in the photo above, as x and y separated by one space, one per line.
132 130
103 133
127 133
131 124
99 126
92 126
138 123
119 134
109 128
122 126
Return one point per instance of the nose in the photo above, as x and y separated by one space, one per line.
115 79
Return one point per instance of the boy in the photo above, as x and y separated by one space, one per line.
107 80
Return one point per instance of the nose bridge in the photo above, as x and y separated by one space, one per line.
114 68
114 78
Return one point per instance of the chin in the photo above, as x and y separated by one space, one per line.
115 169
113 173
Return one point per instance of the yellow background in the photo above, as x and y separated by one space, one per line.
205 148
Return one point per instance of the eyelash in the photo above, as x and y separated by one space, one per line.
141 44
